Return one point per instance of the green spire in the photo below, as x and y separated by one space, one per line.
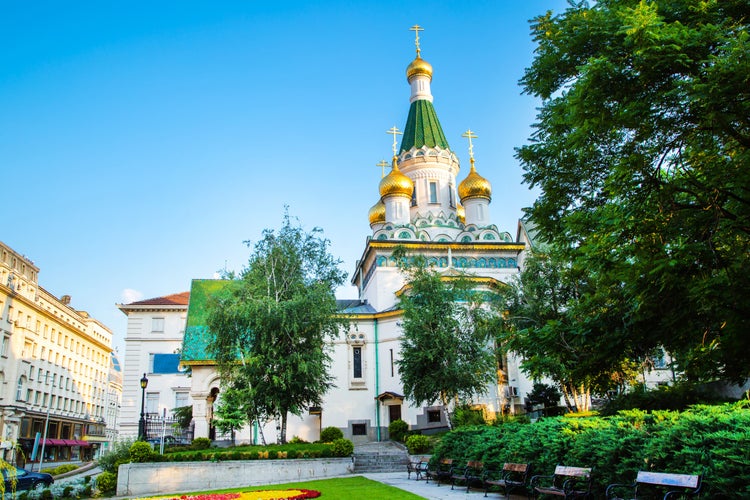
423 127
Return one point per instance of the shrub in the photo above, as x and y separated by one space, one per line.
417 443
299 440
331 434
46 494
465 415
671 397
141 451
106 482
119 454
342 447
709 439
201 443
397 430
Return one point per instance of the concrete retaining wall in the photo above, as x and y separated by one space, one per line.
176 477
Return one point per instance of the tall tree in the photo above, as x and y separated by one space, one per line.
641 154
447 351
273 326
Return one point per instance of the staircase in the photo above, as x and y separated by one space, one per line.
385 456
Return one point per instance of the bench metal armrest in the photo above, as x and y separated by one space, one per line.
615 486
535 479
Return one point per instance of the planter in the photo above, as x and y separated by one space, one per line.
139 479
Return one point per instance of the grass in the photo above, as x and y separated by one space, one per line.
346 487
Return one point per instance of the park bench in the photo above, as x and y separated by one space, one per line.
674 485
566 482
440 471
471 474
417 465
512 477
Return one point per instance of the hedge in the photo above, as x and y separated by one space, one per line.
713 440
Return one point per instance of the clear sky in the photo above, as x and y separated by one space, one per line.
142 142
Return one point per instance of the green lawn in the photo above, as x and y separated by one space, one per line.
347 487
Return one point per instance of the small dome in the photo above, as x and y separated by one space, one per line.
377 213
461 213
418 67
396 183
474 186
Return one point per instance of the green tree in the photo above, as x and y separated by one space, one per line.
641 154
232 412
447 349
556 319
272 328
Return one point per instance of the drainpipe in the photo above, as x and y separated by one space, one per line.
377 379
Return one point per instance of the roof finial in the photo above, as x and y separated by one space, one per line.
416 29
469 134
394 132
382 164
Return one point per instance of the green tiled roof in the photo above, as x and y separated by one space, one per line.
423 127
197 335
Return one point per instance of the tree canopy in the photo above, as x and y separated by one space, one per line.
447 350
273 326
641 154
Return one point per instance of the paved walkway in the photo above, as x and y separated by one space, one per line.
431 490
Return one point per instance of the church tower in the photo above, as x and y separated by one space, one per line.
421 204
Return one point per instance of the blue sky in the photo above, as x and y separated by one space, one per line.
142 142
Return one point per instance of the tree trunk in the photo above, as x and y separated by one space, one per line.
444 400
282 429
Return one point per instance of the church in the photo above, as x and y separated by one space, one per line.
424 204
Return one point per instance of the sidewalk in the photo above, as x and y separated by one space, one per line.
431 490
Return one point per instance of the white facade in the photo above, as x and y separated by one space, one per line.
55 363
152 344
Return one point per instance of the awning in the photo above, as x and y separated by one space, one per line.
387 395
54 442
82 443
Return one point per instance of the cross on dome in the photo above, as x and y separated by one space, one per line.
394 131
469 134
416 29
382 164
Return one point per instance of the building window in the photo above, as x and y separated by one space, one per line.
357 362
19 389
157 325
451 197
152 402
414 196
433 192
5 347
391 362
433 416
180 399
359 429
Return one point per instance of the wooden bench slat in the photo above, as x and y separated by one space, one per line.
667 479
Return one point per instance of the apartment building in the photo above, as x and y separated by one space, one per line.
55 364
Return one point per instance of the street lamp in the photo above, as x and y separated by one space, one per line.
142 422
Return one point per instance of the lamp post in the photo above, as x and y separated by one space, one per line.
142 422
46 420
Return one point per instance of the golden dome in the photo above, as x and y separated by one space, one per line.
418 67
396 183
474 186
461 213
377 213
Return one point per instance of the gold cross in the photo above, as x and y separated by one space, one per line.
416 29
394 132
470 135
382 166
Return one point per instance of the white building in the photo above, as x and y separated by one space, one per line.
152 349
421 205
54 370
